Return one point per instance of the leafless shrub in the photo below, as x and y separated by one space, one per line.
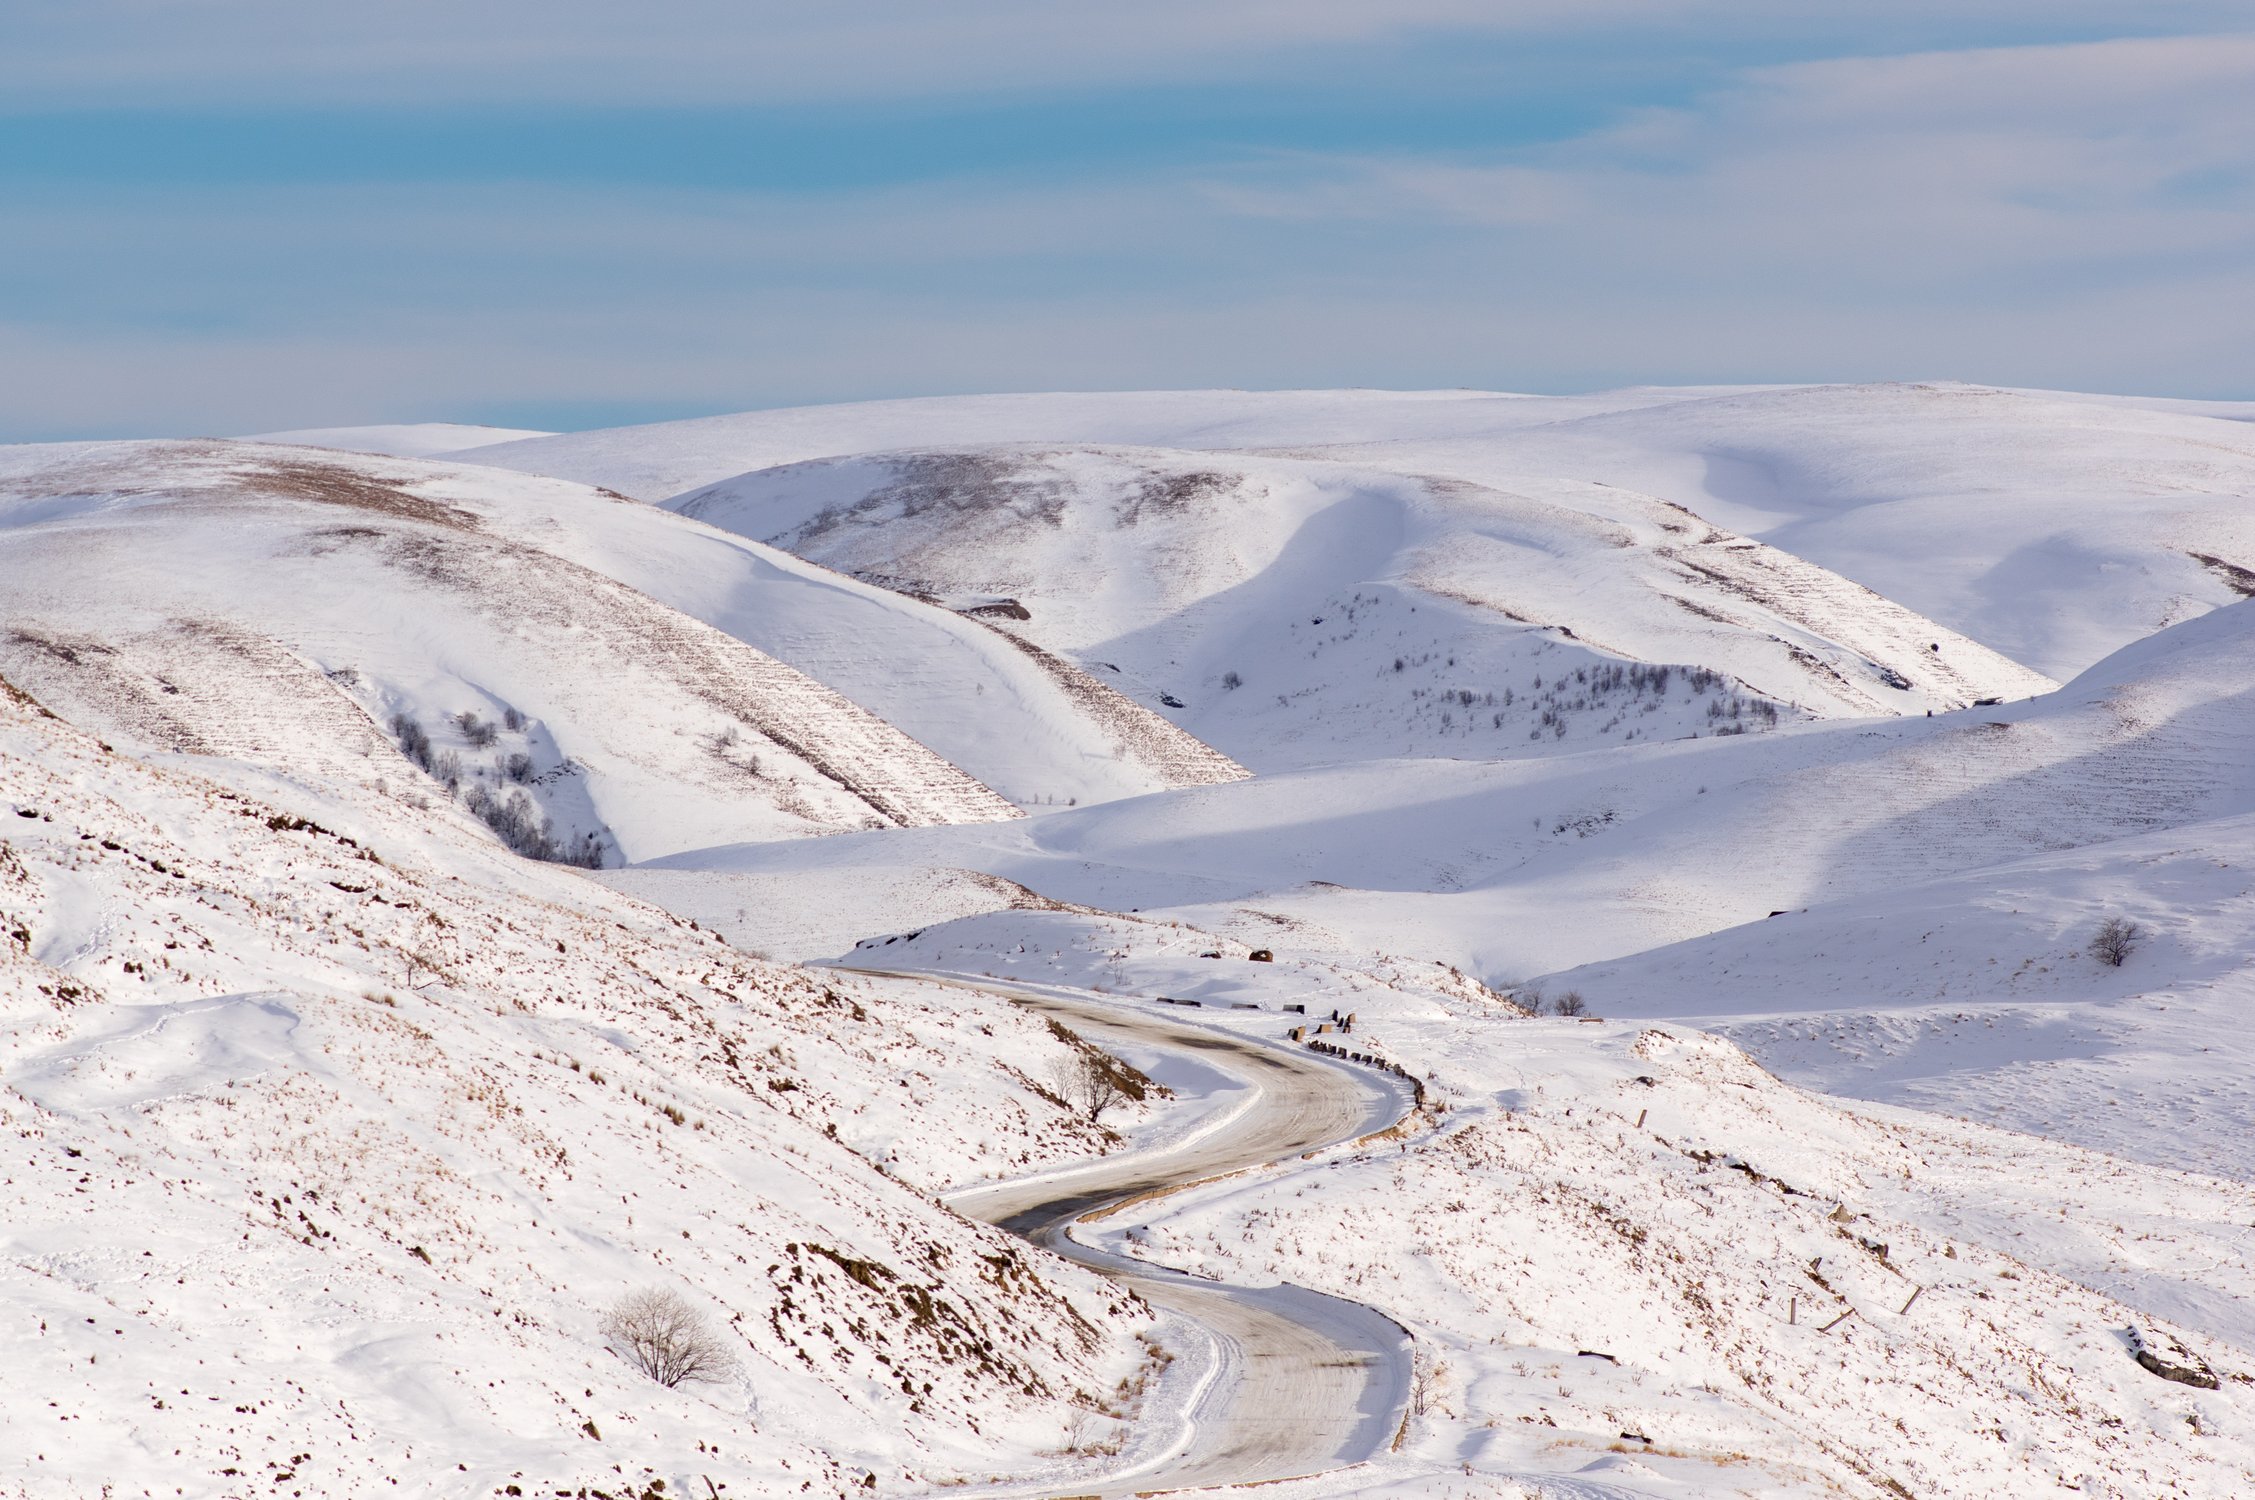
514 719
2115 940
476 730
1088 1080
1231 682
660 1334
1088 1435
414 743
1089 1083
1571 1004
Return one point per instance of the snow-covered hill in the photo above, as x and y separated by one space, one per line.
1976 990
1038 728
1639 1266
330 614
1978 994
1953 871
659 460
334 1131
338 1124
399 439
1515 868
1299 613
1629 1258
2053 528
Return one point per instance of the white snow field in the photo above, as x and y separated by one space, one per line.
1296 613
2051 528
1514 870
450 879
334 1131
399 439
1633 1263
217 585
1975 994
1602 853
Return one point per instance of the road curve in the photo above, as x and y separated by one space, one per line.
1306 1383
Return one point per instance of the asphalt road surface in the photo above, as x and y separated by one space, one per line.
1307 1383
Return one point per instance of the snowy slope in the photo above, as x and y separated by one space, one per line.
329 1149
1046 733
1640 1266
1300 613
1513 869
801 915
399 439
266 604
661 459
1606 853
1435 624
1978 994
2051 527
1039 729
1634 1264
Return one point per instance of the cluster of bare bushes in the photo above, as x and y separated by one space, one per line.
508 810
1568 1003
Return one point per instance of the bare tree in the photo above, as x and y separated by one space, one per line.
1571 1004
1428 1382
2114 941
660 1334
1089 1083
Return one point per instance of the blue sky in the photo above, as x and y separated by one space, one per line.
245 214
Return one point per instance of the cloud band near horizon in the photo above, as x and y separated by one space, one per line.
1295 196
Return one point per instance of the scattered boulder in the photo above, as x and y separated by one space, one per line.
999 609
2170 1360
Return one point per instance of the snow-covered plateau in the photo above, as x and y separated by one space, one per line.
1659 943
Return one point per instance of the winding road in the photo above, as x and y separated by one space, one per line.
1302 1383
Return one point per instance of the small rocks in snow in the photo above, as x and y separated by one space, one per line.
2170 1359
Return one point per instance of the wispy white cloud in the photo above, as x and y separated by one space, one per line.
248 53
1938 169
2071 216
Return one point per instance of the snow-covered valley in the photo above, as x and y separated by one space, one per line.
454 880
